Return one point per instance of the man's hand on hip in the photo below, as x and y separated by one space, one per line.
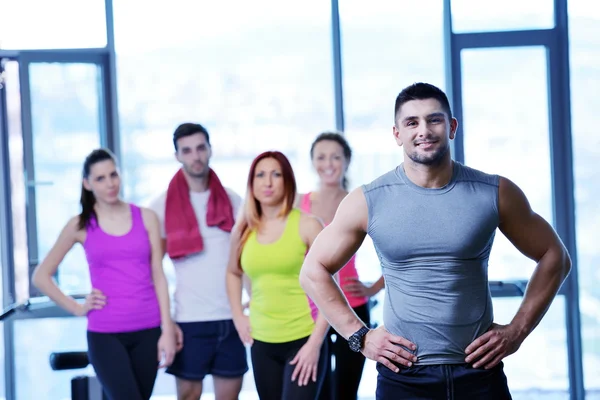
383 347
490 348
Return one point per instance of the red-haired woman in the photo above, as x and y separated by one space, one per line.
269 244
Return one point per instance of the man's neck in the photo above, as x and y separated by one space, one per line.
429 176
197 184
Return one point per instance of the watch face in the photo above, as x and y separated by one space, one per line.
354 343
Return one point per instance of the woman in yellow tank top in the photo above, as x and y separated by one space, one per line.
269 243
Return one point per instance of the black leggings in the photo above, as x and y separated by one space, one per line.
343 382
126 363
273 372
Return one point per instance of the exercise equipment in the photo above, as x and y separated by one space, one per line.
83 387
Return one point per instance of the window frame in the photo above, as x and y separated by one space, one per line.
40 307
556 43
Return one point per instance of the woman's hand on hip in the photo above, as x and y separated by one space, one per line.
96 300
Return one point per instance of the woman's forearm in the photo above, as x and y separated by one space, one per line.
48 287
162 293
379 284
234 293
320 331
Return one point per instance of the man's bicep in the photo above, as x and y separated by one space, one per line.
341 239
334 247
530 233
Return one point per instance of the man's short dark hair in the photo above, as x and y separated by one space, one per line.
189 129
421 91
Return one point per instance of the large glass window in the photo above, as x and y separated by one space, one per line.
508 15
507 133
257 80
376 54
2 375
384 49
1 261
2 266
2 390
17 180
534 371
32 356
57 24
65 121
584 41
65 114
267 84
11 90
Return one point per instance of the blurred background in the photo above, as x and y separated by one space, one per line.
523 78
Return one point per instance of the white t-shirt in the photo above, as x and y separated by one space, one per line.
200 290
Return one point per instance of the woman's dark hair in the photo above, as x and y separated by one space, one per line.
88 200
339 139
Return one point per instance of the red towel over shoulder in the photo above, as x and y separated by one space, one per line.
181 226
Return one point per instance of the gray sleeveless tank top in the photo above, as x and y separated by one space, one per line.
434 246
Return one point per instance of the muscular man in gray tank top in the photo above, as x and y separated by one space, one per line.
432 221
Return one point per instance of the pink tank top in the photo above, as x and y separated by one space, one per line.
347 271
120 266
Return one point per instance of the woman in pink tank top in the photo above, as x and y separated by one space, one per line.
129 302
331 155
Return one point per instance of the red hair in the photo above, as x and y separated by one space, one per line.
252 208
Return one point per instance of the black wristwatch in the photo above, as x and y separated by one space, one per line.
357 339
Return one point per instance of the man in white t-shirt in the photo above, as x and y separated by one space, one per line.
211 345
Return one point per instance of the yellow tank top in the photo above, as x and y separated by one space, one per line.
279 308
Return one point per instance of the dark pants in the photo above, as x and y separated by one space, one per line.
342 382
273 371
126 363
442 382
209 348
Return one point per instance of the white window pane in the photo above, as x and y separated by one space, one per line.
257 75
56 24
584 44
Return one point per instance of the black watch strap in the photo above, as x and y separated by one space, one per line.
357 339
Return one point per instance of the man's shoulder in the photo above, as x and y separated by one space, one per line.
471 174
388 178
